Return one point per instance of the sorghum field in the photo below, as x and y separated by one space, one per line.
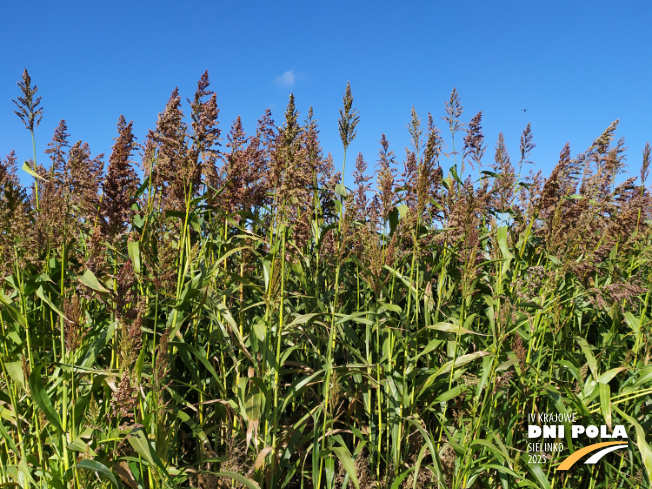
238 318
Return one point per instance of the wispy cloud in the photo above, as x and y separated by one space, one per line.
286 80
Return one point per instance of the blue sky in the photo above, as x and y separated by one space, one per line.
576 67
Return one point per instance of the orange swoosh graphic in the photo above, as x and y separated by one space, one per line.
571 459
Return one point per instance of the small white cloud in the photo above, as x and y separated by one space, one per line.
286 80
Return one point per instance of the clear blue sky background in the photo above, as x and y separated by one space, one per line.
576 66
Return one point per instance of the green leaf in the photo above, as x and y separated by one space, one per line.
267 266
645 377
260 329
8 439
554 260
40 293
100 468
142 188
15 371
13 311
253 407
138 440
503 469
343 454
133 248
447 182
185 347
138 221
486 371
40 396
25 470
590 359
298 386
643 446
452 328
303 318
391 307
464 359
194 426
393 221
500 454
90 280
28 170
397 482
449 394
605 402
607 376
402 209
79 445
501 237
100 341
453 170
225 256
537 472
